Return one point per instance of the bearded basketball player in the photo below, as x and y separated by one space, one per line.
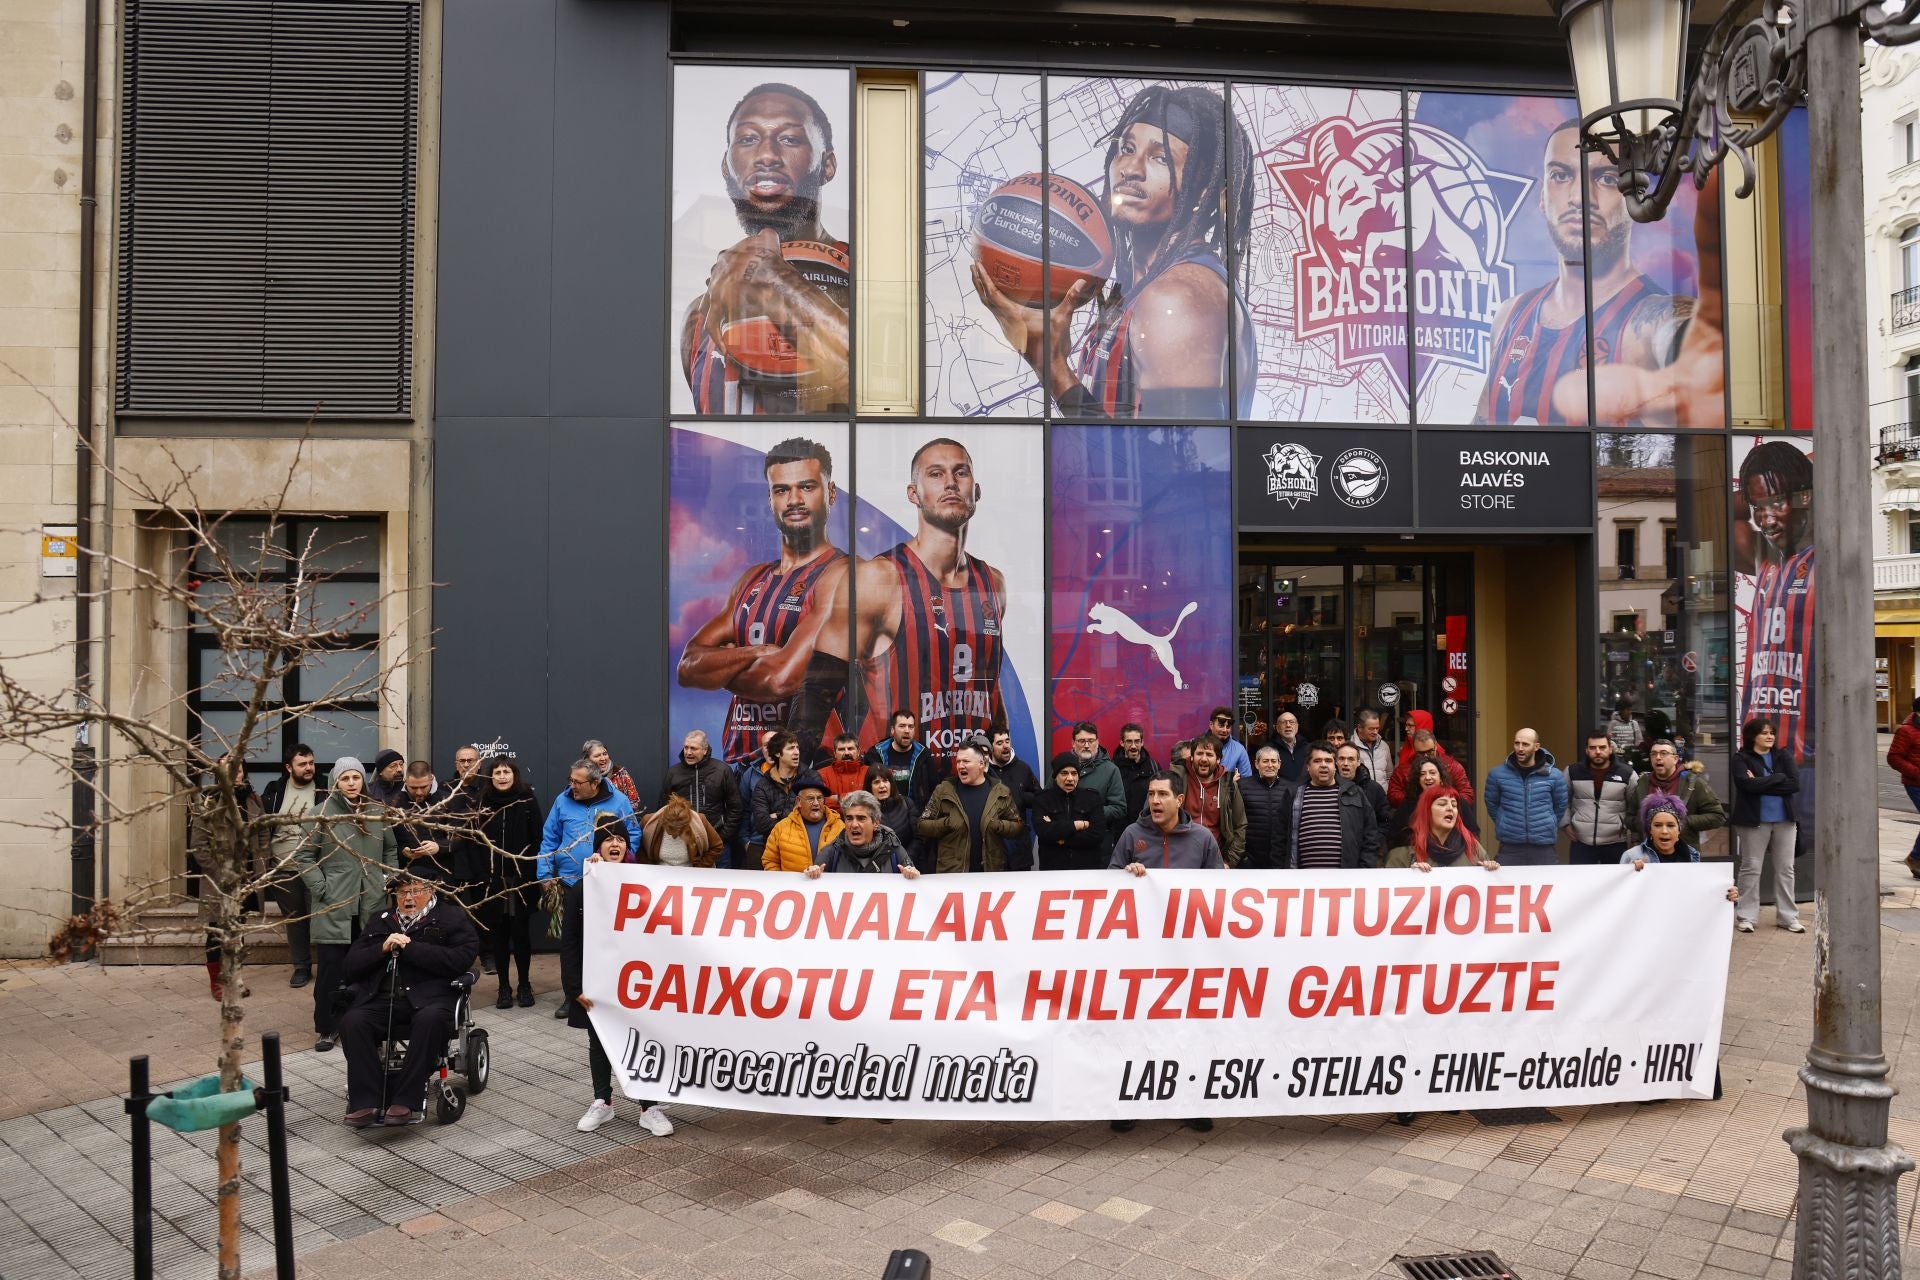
927 626
1657 357
758 647
779 155
1162 333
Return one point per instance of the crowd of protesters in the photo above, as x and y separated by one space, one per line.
1347 799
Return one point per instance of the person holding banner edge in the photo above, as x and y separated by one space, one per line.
1179 844
610 844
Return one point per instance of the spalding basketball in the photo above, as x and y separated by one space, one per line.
758 345
1007 235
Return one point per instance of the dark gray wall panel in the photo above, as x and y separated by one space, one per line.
490 611
496 208
609 226
607 564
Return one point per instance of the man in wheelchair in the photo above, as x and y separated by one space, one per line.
402 972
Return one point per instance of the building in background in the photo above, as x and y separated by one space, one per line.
1890 128
1129 366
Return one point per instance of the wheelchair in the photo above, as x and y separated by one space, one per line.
467 1056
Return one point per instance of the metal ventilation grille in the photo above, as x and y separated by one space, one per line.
267 181
1455 1266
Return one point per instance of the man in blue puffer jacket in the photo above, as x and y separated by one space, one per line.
567 840
1527 801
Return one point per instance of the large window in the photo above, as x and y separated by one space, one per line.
331 702
267 208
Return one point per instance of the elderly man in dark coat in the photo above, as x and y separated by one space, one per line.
401 970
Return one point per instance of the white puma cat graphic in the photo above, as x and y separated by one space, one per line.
1109 621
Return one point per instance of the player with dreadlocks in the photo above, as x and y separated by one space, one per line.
1772 538
1178 190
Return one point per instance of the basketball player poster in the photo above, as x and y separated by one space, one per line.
1773 591
1141 570
757 545
1654 341
980 130
1327 292
941 617
762 260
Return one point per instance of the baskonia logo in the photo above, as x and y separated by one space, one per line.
1364 195
1292 473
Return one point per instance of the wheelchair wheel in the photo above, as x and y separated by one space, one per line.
478 1061
449 1103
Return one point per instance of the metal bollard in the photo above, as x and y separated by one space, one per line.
271 1097
137 1099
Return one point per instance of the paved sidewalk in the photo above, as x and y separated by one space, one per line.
1677 1191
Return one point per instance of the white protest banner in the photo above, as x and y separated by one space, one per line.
1092 995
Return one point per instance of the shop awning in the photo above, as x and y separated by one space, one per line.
1901 500
1896 630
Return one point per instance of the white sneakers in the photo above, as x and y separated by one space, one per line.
653 1119
1744 926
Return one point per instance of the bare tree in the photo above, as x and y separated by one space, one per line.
253 598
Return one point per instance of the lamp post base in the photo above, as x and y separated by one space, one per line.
1849 1223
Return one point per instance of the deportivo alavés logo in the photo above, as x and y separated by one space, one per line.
1364 192
1359 478
1292 473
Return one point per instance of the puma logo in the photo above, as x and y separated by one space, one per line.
1109 621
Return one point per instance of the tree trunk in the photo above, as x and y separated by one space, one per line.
232 949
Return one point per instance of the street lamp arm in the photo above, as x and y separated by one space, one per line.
1892 24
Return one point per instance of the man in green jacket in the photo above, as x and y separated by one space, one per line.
969 817
1686 782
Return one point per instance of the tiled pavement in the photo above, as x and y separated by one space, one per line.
1676 1191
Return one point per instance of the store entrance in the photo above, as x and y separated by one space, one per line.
1324 635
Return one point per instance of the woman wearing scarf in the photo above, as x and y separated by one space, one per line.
510 820
1440 839
344 864
609 845
595 753
1664 818
895 813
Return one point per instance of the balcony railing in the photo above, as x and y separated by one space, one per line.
1906 308
1896 573
1898 442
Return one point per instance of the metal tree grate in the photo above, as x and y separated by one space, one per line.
1455 1266
1513 1116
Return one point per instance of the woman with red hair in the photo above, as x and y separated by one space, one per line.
1439 838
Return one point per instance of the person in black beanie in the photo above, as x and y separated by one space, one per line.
609 845
1071 820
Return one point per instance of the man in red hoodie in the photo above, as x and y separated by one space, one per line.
848 772
1904 756
1422 742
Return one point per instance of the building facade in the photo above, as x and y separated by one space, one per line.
1891 165
1289 361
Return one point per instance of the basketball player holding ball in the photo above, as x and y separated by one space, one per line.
1656 356
1178 188
758 647
927 630
769 335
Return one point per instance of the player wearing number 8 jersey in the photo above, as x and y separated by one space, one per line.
758 647
926 630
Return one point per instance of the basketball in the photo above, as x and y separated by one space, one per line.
758 345
1007 238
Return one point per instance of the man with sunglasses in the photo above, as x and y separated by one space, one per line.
1233 756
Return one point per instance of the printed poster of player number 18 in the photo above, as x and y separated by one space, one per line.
1093 995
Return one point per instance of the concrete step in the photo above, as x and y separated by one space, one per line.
175 933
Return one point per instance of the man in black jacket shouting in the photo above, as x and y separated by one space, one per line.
401 970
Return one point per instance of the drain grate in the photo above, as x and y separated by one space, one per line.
1513 1116
1455 1266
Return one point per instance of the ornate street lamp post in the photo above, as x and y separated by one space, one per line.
1629 64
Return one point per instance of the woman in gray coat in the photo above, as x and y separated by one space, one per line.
345 865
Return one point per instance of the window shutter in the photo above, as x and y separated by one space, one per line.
267 207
